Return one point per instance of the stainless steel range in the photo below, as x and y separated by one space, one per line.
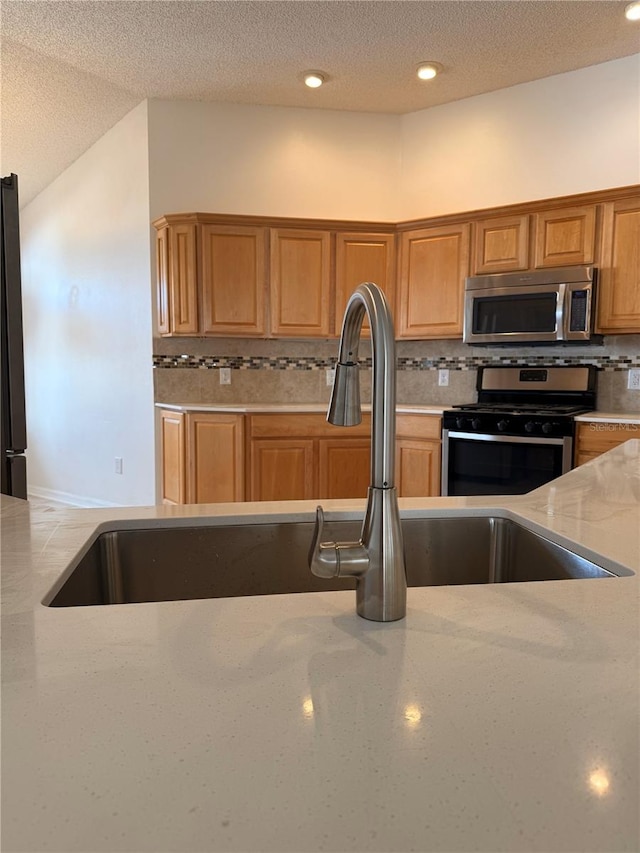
519 433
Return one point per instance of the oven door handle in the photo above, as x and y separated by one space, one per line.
510 439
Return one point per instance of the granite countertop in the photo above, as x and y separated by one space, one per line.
495 717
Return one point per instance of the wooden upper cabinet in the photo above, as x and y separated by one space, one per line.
360 258
162 280
183 279
565 237
501 245
434 263
300 282
619 287
233 271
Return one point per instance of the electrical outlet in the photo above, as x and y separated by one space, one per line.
225 376
118 465
443 376
330 376
633 379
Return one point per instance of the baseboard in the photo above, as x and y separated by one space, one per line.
68 499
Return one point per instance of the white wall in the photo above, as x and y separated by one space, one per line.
566 134
87 324
276 161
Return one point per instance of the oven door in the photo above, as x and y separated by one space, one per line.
483 464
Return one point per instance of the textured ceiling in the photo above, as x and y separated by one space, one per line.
70 70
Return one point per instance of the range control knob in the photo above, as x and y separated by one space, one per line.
476 423
529 426
502 425
547 427
461 423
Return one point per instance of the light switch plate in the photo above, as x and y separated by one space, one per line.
225 376
330 376
443 376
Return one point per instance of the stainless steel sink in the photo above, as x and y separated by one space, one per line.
228 560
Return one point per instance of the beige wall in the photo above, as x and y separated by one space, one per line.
566 134
276 161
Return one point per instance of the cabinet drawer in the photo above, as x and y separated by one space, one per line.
419 426
305 425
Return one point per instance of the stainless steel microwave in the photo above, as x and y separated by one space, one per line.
543 306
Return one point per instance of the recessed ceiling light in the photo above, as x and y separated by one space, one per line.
428 70
632 11
313 79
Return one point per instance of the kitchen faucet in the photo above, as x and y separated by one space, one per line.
377 558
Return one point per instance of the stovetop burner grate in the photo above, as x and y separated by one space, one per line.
522 409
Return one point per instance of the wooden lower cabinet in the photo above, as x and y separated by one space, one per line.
593 438
210 457
215 452
418 452
282 469
344 467
302 457
174 459
202 457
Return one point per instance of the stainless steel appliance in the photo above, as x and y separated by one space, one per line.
540 307
14 429
519 434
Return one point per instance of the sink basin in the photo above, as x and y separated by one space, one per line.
228 560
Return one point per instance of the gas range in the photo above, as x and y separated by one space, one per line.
526 401
514 420
518 435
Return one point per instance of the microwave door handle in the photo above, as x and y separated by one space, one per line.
562 313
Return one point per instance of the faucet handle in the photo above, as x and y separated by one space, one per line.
335 559
323 558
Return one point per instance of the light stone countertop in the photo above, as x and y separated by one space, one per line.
494 718
610 417
284 408
401 408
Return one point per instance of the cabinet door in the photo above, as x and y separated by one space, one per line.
619 287
501 245
344 467
282 469
597 437
359 258
417 468
173 457
233 280
215 450
565 237
183 302
434 265
300 283
163 298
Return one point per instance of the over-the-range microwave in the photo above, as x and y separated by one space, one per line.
539 307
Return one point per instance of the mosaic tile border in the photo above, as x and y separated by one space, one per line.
208 362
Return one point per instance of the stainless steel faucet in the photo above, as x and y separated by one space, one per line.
377 558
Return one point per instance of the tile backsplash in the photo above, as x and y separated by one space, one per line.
279 371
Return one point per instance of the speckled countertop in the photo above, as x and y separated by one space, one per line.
494 718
